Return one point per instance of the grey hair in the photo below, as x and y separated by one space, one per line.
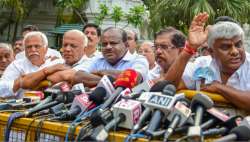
6 46
36 33
148 42
85 38
225 30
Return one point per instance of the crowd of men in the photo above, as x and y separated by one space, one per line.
170 56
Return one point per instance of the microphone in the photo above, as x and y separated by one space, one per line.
240 133
126 113
63 97
224 127
107 83
162 104
84 103
139 89
217 116
157 87
178 117
199 104
127 79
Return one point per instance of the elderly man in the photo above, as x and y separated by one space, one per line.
147 49
50 53
6 56
28 72
132 41
74 43
168 45
93 32
229 61
115 59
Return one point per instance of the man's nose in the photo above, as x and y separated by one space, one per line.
234 51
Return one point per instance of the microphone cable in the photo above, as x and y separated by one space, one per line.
10 121
30 124
78 118
134 136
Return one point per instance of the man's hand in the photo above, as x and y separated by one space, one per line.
65 75
197 35
55 68
213 87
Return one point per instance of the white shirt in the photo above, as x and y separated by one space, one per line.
18 68
95 54
132 61
154 73
50 53
84 62
239 80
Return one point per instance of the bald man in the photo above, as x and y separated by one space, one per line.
74 43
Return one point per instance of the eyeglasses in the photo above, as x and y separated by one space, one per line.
163 47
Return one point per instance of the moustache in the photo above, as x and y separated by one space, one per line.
35 53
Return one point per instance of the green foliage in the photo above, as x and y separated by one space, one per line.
104 11
179 13
76 7
17 6
117 14
135 15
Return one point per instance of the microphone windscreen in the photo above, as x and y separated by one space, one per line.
158 86
98 95
203 100
242 132
127 79
169 90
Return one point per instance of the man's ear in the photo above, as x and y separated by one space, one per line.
126 44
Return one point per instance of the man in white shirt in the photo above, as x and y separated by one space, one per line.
115 59
132 41
50 52
147 49
93 32
74 43
229 61
6 56
28 72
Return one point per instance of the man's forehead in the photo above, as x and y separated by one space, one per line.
229 40
112 35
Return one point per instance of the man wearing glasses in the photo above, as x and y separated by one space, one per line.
28 72
168 44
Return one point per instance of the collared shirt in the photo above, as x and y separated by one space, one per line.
154 73
50 53
18 68
240 79
82 63
136 62
95 54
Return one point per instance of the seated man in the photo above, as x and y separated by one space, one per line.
74 43
168 44
50 53
28 72
115 59
6 56
147 49
229 61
